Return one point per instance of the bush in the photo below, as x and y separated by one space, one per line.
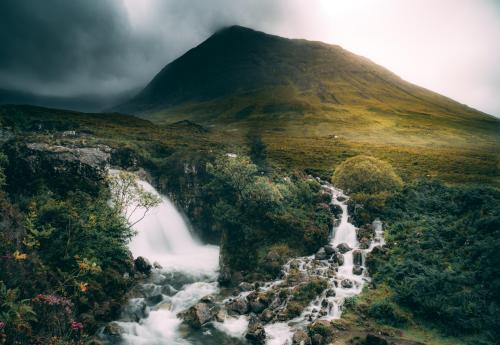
441 260
255 211
365 174
387 313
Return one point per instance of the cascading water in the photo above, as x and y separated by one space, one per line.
164 237
345 279
189 270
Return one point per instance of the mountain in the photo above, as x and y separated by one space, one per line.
241 78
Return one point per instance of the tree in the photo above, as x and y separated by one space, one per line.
130 198
365 174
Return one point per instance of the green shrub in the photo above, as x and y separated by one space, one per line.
441 260
387 313
365 174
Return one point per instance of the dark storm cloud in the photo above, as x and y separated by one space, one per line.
60 47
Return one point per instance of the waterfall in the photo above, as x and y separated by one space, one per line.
188 272
164 237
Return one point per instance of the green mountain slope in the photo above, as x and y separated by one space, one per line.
241 79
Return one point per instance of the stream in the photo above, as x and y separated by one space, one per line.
186 271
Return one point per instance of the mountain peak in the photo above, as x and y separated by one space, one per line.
240 74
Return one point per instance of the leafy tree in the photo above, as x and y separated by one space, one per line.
130 198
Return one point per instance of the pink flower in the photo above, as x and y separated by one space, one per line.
76 326
2 325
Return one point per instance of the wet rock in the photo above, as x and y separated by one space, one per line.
294 264
336 210
135 310
372 339
282 316
208 299
330 250
339 259
357 257
321 254
341 198
197 315
330 293
245 286
301 338
157 265
239 305
113 329
154 300
267 315
343 248
220 316
346 284
256 306
357 270
142 265
255 331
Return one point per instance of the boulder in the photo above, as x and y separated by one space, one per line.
267 315
142 265
346 284
220 316
339 259
357 257
321 254
197 315
255 331
330 250
256 306
301 338
244 286
343 248
336 210
357 270
61 167
330 293
113 329
239 305
157 265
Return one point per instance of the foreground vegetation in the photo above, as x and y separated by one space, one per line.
63 250
439 269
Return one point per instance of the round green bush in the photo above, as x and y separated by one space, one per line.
365 174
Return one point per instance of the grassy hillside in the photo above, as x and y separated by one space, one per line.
472 163
242 81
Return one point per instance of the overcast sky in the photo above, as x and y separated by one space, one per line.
60 47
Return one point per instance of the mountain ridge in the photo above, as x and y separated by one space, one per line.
246 81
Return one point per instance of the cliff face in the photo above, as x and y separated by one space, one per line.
60 167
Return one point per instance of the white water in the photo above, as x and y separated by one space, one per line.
164 237
281 333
